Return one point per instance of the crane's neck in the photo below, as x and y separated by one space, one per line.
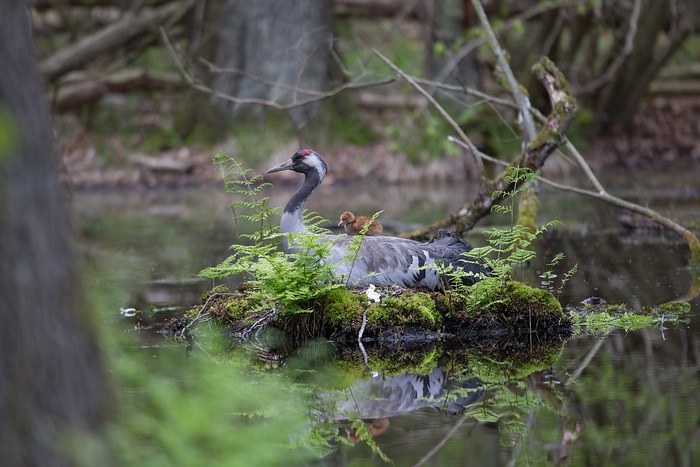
292 217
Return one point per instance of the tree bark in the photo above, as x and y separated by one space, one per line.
275 50
620 99
52 385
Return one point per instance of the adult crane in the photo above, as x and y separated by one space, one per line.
381 260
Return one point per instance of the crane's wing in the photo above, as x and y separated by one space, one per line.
397 261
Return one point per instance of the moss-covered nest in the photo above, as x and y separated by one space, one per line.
509 307
393 315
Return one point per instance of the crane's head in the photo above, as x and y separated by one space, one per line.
304 161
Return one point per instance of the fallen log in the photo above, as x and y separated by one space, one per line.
131 25
87 89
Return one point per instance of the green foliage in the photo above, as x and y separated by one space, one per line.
361 430
293 279
423 139
507 250
548 277
8 135
173 409
603 318
511 247
250 206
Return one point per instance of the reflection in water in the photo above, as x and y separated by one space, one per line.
636 394
636 273
384 396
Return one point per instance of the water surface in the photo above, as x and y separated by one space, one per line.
626 398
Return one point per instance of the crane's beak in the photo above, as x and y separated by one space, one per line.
286 165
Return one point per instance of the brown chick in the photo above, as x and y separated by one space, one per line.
353 225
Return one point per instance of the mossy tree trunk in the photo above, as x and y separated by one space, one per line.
52 384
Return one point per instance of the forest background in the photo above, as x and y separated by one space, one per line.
145 93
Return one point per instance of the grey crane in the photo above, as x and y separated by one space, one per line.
382 260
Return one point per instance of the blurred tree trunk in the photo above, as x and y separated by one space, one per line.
662 28
275 50
52 386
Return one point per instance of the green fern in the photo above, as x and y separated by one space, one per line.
249 206
508 248
294 279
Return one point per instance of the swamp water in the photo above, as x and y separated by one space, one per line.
623 398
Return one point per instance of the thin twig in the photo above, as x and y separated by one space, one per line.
436 104
512 22
442 442
206 305
586 360
362 327
256 324
315 95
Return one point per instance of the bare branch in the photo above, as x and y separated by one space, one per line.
443 112
550 137
356 83
521 99
509 24
601 193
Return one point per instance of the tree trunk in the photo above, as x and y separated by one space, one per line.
52 386
661 30
275 50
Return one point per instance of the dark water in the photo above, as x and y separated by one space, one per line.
626 398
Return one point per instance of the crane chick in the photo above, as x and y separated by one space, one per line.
354 225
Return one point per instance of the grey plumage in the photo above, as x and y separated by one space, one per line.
381 260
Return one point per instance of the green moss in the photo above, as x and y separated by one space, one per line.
606 317
510 299
417 362
217 289
675 307
527 211
343 306
515 363
418 304
488 305
410 308
236 307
